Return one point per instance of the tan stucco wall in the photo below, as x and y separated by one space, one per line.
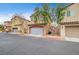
19 28
62 30
20 23
74 9
45 30
25 27
16 21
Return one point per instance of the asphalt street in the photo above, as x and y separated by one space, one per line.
13 44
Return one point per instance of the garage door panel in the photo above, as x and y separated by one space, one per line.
72 31
37 31
15 29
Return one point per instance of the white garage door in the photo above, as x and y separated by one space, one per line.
37 31
15 30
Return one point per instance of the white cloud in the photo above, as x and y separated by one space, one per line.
6 17
27 16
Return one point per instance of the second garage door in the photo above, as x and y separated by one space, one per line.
72 31
37 31
15 30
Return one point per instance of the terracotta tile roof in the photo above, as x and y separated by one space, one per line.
20 17
74 22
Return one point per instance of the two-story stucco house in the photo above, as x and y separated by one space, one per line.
19 24
70 23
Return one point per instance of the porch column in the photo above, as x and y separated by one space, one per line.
62 30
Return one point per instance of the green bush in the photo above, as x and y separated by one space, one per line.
1 28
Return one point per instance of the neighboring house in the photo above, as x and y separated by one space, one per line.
70 23
19 24
7 26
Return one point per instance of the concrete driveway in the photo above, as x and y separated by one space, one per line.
12 44
71 39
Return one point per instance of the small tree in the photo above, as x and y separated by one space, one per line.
36 14
1 27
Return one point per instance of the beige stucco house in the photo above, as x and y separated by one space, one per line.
19 24
70 23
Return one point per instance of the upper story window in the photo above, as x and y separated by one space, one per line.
71 13
68 13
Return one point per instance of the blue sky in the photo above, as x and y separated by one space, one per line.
7 10
19 7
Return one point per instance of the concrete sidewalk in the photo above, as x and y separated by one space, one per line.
71 39
54 37
40 36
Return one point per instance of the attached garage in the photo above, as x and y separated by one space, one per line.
36 31
72 31
15 30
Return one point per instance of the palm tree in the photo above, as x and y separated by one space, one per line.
36 15
46 17
46 7
60 13
45 12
